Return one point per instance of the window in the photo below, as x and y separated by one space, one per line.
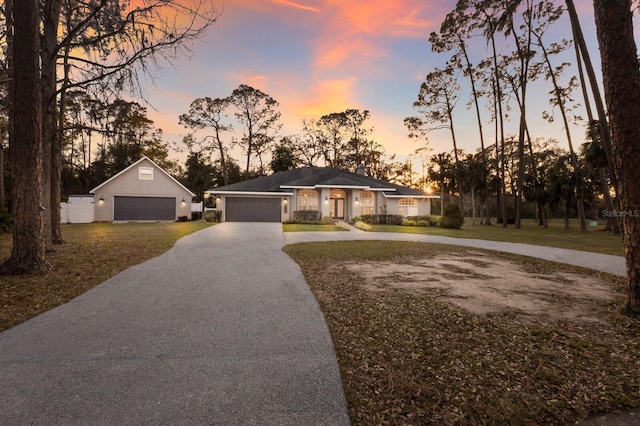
145 173
408 206
367 202
307 199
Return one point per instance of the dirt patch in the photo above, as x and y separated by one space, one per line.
484 284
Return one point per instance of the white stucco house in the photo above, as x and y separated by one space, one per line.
336 193
141 192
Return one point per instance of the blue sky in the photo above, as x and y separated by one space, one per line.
321 56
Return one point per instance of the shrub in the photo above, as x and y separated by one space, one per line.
425 220
452 219
212 216
306 216
182 219
363 226
409 222
382 219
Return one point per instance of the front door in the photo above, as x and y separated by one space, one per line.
337 208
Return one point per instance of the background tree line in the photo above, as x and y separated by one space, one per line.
519 52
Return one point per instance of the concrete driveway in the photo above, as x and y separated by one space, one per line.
220 330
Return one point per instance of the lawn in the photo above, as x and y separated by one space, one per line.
412 355
91 254
306 227
594 239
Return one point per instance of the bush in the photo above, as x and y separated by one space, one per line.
409 222
212 216
425 220
363 226
307 216
452 219
182 219
382 219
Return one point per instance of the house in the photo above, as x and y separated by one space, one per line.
141 192
337 194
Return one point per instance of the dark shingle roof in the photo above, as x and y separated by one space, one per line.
312 177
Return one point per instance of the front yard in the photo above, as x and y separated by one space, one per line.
92 253
432 334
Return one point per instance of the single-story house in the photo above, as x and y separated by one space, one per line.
141 192
337 194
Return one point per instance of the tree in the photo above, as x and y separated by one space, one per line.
283 157
257 113
436 100
199 175
207 113
621 81
25 145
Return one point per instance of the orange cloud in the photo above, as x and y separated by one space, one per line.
297 5
355 33
326 97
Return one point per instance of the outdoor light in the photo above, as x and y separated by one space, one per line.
183 201
356 199
101 198
326 198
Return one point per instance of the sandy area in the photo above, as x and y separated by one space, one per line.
485 284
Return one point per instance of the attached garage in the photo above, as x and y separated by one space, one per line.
144 208
238 209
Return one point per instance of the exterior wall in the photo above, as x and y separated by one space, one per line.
424 207
128 184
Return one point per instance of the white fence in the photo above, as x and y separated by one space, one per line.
79 209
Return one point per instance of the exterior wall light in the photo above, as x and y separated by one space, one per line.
101 199
183 201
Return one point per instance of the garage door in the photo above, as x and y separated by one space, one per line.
252 210
144 208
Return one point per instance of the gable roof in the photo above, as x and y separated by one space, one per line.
283 183
135 164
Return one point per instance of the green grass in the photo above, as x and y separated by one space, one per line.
91 254
411 358
304 227
593 240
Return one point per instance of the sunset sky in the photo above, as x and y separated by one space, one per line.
321 56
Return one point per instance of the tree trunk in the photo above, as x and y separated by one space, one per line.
49 53
621 81
25 145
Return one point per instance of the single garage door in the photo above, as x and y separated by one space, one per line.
144 208
252 210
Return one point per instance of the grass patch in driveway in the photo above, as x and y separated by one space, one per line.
306 227
91 254
411 355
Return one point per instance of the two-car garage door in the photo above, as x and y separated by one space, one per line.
252 209
144 208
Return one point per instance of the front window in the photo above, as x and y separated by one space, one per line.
307 199
408 206
367 202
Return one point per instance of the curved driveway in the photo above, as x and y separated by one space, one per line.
221 329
